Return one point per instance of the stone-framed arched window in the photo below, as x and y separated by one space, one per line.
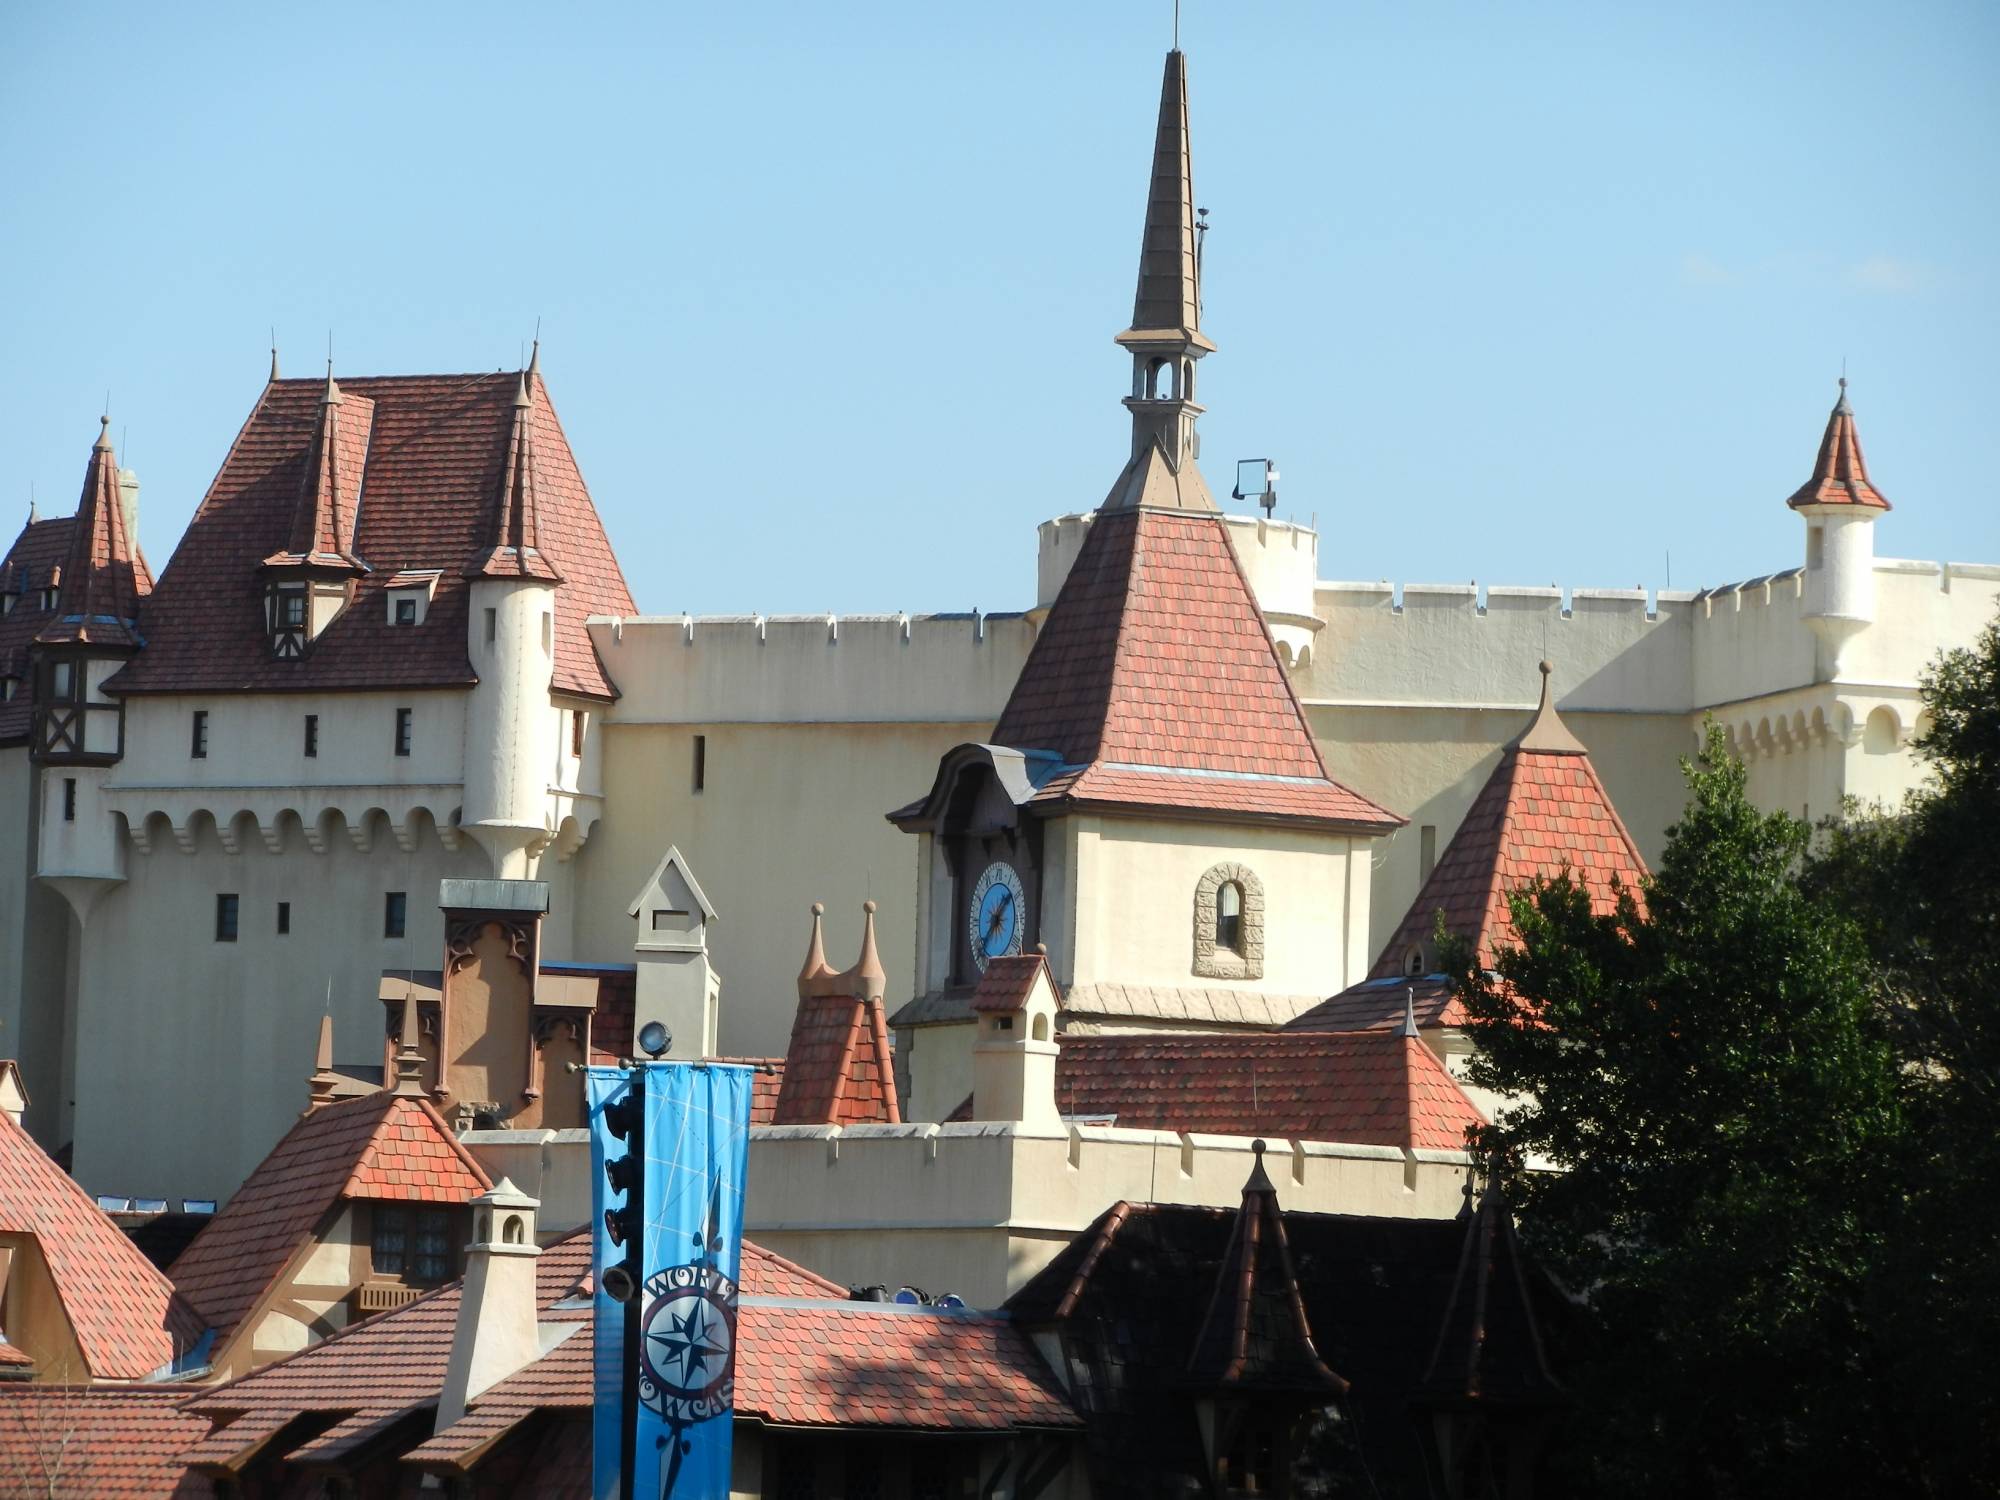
1229 923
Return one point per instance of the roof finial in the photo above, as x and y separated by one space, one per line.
103 432
274 354
868 971
815 966
34 510
320 1086
410 1059
1547 731
1409 1026
535 352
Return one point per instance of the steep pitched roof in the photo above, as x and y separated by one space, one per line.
1369 1089
108 1442
1374 1291
101 571
515 550
378 1146
124 1314
1155 681
1542 811
32 564
1840 473
322 530
1488 1346
426 486
1256 1336
838 1069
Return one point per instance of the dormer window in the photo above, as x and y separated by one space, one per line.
410 593
1413 962
288 616
292 609
50 596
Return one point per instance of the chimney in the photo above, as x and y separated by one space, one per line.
1014 1058
128 503
496 1333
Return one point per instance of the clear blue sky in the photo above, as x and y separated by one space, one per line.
1522 293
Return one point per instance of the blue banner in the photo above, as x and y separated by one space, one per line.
679 1385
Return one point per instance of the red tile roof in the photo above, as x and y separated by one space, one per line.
1009 980
106 1442
1156 682
838 1069
31 565
127 1321
322 533
859 1364
101 570
1840 473
431 493
1366 1088
379 1146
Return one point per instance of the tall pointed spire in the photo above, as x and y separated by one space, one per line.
321 523
513 551
1840 473
99 603
1169 293
1165 339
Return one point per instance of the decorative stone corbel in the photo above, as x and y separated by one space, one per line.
187 836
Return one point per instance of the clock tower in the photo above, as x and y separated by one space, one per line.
1151 808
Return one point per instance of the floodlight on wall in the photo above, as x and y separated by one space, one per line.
655 1039
1257 479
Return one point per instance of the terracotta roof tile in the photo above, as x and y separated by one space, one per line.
838 1069
1009 980
101 571
765 1085
430 492
1368 1089
1156 682
107 1442
377 1146
127 1320
1840 473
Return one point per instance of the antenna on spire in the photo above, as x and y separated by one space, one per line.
535 350
1177 25
34 511
274 352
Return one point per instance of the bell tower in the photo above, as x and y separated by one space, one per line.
1165 340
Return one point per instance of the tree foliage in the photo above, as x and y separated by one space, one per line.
1707 1068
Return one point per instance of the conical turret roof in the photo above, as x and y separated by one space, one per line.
1167 304
322 532
99 603
1840 473
516 551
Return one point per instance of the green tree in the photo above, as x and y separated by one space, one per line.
1709 1074
1920 880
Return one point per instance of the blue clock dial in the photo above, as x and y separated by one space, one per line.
996 914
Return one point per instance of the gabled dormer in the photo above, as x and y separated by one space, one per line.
309 583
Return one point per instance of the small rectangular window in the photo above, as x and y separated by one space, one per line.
700 761
402 731
225 918
410 1244
69 799
284 917
395 907
406 611
548 633
292 609
63 681
492 625
198 741
312 736
1427 850
577 718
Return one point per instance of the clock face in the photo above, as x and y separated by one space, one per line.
997 913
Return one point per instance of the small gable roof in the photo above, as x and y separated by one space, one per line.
675 860
379 1146
1367 1089
1009 982
126 1319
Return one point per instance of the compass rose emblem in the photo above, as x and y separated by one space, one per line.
687 1360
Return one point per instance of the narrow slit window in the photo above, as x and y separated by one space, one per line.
312 736
395 913
69 799
1427 850
403 731
700 761
284 918
577 719
1229 917
225 918
198 736
492 625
